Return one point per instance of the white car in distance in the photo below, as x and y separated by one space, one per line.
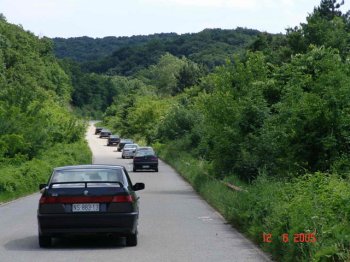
129 150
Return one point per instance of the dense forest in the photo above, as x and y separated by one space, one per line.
37 130
85 49
127 55
92 62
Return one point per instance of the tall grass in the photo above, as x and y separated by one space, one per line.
313 204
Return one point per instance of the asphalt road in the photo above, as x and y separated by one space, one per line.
175 225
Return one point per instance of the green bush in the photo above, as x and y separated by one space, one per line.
314 203
24 177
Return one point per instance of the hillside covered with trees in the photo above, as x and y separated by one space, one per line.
92 63
125 56
84 49
37 131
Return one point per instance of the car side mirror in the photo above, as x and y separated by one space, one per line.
138 186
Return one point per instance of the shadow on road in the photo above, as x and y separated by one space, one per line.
23 244
184 193
77 243
145 171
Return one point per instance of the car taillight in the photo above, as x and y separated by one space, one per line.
83 199
122 199
45 200
154 158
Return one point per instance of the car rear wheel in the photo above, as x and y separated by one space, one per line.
134 169
131 240
123 156
156 169
44 241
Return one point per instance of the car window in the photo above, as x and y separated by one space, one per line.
145 153
86 175
130 146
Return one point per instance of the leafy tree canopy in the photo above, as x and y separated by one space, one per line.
34 96
126 56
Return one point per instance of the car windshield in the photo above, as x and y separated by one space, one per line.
148 152
86 175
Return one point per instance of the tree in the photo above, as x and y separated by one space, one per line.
189 75
34 96
329 9
163 75
2 17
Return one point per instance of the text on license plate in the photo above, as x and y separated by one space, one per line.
145 166
88 207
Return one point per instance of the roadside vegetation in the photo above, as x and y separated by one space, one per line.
37 130
273 120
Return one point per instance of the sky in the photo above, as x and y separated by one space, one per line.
100 18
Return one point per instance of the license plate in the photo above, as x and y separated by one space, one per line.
89 207
145 166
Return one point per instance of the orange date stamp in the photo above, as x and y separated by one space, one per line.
295 238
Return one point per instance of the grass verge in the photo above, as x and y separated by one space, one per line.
307 217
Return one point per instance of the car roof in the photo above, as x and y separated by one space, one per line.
113 136
131 144
95 166
145 147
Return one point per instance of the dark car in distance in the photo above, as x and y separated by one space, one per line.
105 133
113 140
145 158
98 130
123 142
88 199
